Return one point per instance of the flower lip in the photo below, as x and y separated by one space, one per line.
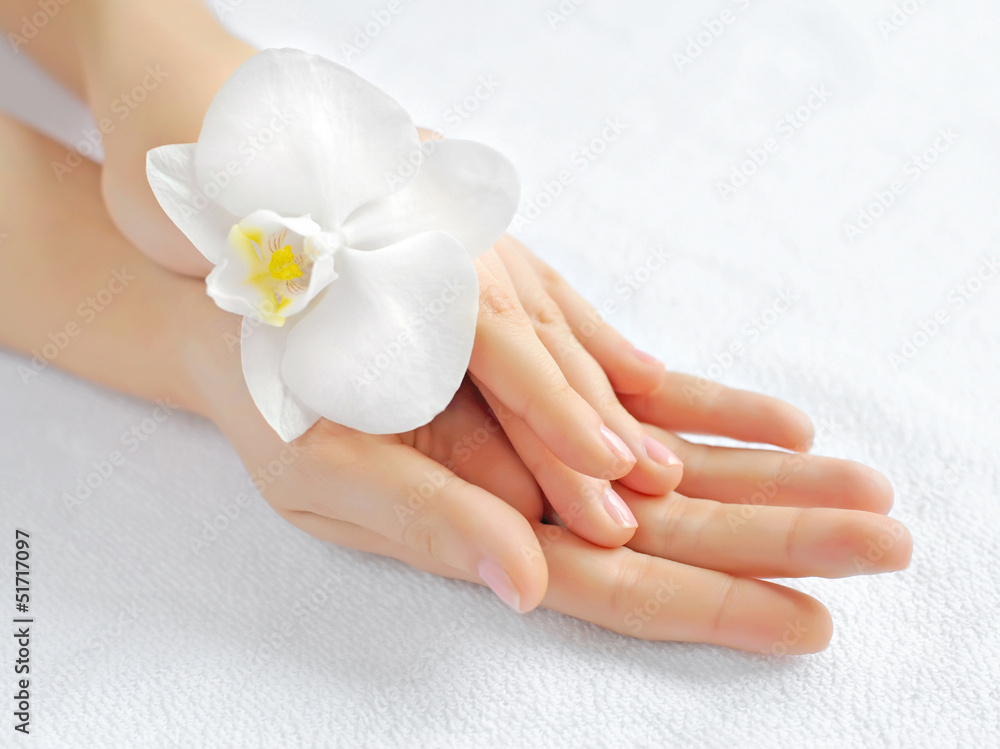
274 266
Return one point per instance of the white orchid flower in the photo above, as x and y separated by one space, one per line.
358 267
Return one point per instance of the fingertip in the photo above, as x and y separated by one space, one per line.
870 490
527 571
796 623
800 432
819 639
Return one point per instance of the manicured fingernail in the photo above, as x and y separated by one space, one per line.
619 448
660 452
618 510
646 358
500 583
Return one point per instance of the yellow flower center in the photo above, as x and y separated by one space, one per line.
283 266
274 277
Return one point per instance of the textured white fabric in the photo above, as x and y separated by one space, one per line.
270 638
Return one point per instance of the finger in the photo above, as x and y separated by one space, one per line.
469 440
746 476
657 599
588 506
514 365
408 498
657 470
629 369
762 541
683 403
639 595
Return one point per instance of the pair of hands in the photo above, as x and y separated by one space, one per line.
472 494
461 496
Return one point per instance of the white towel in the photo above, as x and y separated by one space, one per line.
267 637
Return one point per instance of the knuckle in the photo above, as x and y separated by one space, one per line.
422 534
629 581
605 401
670 519
550 277
545 313
729 591
497 304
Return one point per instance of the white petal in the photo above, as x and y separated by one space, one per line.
170 171
466 189
271 221
386 347
303 135
262 349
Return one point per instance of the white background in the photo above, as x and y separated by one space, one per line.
143 642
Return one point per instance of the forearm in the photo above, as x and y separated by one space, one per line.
93 46
99 308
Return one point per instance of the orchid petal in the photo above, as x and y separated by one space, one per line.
465 189
386 347
300 134
262 349
171 174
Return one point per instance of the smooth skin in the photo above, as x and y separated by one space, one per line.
422 497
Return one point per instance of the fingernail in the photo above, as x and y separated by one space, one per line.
618 510
500 583
660 452
644 357
619 448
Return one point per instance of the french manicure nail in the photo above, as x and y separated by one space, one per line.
660 452
619 448
618 510
644 357
500 583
